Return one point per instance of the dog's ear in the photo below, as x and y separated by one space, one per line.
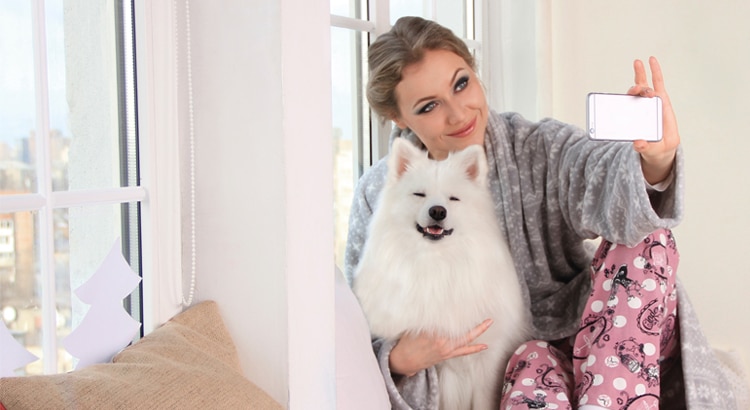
474 161
402 156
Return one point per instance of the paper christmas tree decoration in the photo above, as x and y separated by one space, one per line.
12 354
106 328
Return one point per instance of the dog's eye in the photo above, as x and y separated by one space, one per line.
453 198
419 194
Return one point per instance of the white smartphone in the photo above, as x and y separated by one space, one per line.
621 117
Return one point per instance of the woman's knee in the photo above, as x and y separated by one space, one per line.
656 256
538 374
659 255
533 354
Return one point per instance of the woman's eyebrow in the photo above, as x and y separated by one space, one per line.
430 97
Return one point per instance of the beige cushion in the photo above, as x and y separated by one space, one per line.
188 363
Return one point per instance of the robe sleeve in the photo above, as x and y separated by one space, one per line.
598 187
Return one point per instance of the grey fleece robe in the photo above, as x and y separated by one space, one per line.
554 188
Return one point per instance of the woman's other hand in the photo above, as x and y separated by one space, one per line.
415 352
656 157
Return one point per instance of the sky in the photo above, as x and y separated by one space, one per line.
17 106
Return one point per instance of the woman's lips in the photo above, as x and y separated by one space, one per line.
467 130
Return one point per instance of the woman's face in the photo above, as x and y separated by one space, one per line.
441 100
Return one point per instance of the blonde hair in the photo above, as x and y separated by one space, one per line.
403 45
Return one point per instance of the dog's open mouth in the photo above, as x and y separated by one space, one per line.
434 232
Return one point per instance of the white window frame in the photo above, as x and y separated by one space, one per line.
45 200
159 120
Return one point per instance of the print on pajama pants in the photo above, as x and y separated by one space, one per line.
539 376
628 326
627 333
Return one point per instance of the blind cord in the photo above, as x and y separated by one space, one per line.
191 141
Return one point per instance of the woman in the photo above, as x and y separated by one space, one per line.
607 325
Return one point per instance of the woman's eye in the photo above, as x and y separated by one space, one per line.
453 198
419 194
427 108
461 83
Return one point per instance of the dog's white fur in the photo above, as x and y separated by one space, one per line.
407 282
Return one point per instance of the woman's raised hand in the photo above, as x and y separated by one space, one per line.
656 157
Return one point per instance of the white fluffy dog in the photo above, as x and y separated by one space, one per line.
435 261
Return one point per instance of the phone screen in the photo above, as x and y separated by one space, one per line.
620 117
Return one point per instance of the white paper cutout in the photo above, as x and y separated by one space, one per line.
106 328
12 354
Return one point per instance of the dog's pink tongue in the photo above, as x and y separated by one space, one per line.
434 230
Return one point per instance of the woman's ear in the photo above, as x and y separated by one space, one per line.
399 122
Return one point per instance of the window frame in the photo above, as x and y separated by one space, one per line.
376 23
159 126
45 200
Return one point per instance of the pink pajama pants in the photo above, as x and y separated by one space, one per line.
627 337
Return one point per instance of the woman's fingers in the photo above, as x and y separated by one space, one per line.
640 73
478 330
641 86
657 78
468 347
417 351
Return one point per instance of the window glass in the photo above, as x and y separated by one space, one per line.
18 287
400 8
350 124
452 14
82 238
85 75
350 8
449 13
17 112
51 244
83 96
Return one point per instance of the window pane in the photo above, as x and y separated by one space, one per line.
17 110
84 95
59 130
401 8
19 299
93 231
83 237
452 14
21 288
350 125
88 76
45 256
449 13
350 8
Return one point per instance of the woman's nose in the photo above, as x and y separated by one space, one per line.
456 112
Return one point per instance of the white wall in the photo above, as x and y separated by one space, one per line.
264 188
703 50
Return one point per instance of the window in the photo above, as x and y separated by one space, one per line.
69 165
359 138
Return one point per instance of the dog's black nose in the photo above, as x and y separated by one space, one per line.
438 213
